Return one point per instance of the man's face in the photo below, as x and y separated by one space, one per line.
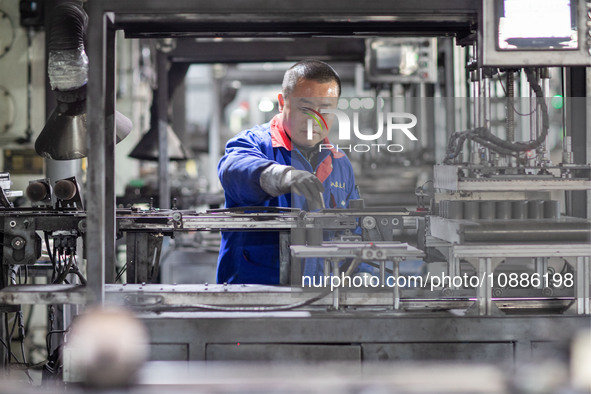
299 106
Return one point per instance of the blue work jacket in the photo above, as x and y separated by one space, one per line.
253 257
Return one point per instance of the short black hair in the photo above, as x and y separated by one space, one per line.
310 69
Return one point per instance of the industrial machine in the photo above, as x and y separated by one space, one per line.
499 222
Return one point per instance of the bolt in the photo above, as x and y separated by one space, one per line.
12 224
447 292
18 243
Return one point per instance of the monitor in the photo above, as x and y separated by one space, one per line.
518 33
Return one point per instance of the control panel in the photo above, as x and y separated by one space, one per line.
401 60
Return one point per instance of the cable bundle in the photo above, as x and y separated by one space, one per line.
487 139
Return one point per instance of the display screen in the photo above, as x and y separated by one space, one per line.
536 25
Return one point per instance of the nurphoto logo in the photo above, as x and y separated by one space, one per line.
392 121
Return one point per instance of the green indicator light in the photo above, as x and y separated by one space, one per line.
137 183
557 101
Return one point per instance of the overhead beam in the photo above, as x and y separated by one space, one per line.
442 9
238 51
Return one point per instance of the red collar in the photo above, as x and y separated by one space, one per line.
280 139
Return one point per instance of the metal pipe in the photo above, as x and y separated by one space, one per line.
486 108
503 210
214 135
551 209
396 274
475 78
510 123
455 209
471 210
336 294
533 118
484 291
535 209
531 231
582 291
545 77
541 268
96 185
487 209
163 177
519 209
110 141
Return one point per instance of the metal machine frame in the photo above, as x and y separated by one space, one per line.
197 18
206 322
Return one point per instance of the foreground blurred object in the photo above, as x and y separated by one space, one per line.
581 361
105 348
64 135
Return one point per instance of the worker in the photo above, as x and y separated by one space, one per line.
283 164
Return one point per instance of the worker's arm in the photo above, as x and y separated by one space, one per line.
240 169
249 177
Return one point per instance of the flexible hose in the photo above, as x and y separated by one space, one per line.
68 27
484 137
67 64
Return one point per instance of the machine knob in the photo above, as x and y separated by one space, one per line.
18 243
177 216
82 225
368 222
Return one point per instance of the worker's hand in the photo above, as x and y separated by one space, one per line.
305 184
279 179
